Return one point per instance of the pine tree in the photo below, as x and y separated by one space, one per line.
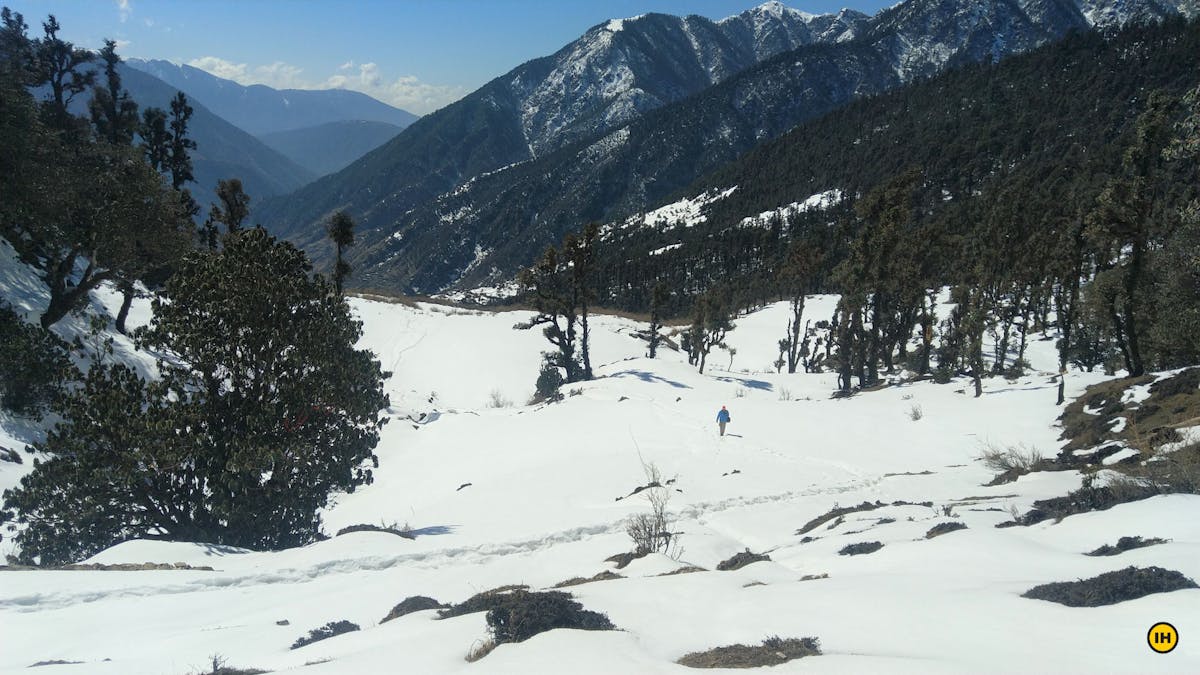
341 232
659 297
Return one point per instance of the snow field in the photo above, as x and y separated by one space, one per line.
542 506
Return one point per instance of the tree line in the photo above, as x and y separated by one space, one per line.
1053 189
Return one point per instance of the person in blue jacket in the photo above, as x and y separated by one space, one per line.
723 419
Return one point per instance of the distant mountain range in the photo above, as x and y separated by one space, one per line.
633 111
330 147
260 110
616 72
222 149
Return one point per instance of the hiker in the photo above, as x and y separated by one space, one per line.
723 419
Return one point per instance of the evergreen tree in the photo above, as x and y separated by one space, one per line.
1127 222
263 408
179 161
62 67
341 232
114 112
231 212
712 319
797 278
156 140
659 297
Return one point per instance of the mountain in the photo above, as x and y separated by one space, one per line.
614 73
259 109
330 147
222 149
1028 142
483 230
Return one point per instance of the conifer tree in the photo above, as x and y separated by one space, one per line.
659 297
231 212
341 232
114 112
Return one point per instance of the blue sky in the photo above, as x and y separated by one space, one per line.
416 54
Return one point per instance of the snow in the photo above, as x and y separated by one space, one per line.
687 212
817 202
542 506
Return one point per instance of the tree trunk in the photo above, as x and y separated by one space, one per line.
127 294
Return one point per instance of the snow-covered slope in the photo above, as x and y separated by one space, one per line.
529 495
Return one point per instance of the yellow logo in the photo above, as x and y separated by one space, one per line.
1162 637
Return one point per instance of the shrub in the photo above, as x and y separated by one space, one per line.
220 667
606 575
413 603
1089 497
480 602
1018 458
772 652
740 560
1110 588
390 528
861 548
33 365
280 409
325 632
651 532
943 528
496 399
519 615
549 379
915 413
1125 544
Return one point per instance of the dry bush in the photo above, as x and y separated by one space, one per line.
772 652
915 413
496 399
1110 588
1125 544
325 632
740 560
1015 458
651 532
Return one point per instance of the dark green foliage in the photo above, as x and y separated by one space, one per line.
414 603
1110 588
114 113
341 233
72 200
34 366
242 439
1126 544
520 615
943 528
740 560
772 652
480 602
560 288
327 631
861 548
549 380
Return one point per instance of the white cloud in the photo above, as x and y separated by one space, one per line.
122 44
124 9
406 91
